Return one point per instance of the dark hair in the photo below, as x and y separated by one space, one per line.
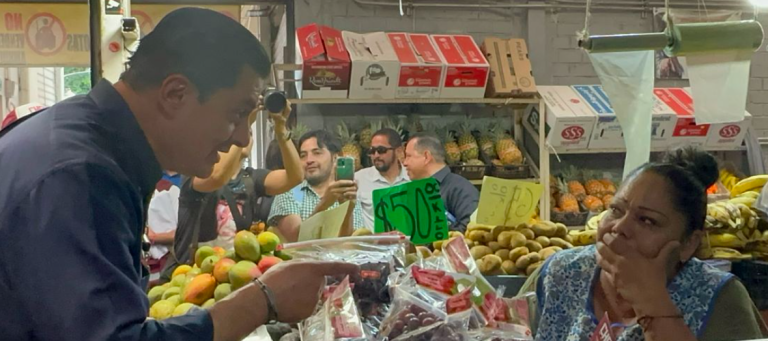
324 140
690 171
273 159
393 137
207 47
430 142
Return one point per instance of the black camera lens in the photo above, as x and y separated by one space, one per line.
274 100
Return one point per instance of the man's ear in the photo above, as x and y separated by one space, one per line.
175 93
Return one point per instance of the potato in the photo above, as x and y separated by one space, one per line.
549 251
543 241
544 228
489 264
561 243
437 253
509 267
438 245
511 239
452 234
528 233
480 251
534 257
502 253
487 237
531 268
561 230
522 226
533 246
518 252
424 251
499 229
524 261
495 246
476 235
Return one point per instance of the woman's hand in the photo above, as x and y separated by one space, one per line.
639 280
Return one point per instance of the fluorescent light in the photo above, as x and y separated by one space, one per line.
759 3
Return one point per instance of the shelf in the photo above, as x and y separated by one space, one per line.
480 182
491 101
535 136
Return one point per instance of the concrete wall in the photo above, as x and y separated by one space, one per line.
551 37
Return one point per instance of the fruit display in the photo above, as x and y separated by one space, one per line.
576 191
510 250
750 184
467 142
349 147
732 228
215 274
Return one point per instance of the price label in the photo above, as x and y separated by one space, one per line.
415 209
507 202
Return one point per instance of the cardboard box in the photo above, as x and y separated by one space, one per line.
522 66
569 120
375 67
501 81
325 62
686 131
726 135
607 132
663 122
421 68
466 72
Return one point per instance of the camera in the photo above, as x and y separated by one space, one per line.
274 100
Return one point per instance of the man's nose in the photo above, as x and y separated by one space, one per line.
242 136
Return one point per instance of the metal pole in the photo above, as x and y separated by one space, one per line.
290 55
95 15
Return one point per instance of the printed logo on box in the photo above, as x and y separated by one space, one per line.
730 131
595 97
573 133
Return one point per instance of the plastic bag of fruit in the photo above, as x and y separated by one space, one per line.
337 319
409 315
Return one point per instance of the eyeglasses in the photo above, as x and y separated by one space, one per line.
380 150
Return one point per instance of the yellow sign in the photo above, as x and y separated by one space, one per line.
507 202
323 225
58 34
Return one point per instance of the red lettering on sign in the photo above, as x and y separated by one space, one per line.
13 22
573 133
730 131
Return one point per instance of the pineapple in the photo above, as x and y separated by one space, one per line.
607 199
593 204
415 125
610 188
594 187
452 151
568 203
507 150
572 175
349 147
467 142
485 142
366 134
297 131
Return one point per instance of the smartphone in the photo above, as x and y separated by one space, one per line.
345 168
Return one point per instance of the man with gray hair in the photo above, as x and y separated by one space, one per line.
425 157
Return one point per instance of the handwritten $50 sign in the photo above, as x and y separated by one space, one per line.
507 202
415 209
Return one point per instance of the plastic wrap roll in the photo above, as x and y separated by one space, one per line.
714 37
625 42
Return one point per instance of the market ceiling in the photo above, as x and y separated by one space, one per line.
168 2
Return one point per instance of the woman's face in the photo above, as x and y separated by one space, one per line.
642 213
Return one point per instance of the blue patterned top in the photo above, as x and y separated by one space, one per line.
564 292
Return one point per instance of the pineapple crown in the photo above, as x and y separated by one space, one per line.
466 126
344 134
298 130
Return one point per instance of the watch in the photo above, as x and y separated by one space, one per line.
271 308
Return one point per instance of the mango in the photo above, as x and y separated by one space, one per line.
247 246
170 292
200 289
155 294
243 273
180 270
222 290
269 241
221 270
267 262
208 304
230 254
202 253
161 310
208 263
182 309
283 255
194 272
175 299
219 251
178 281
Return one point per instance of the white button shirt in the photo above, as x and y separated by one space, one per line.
368 180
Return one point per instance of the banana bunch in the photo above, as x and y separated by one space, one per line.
720 253
594 222
728 179
584 237
724 215
746 198
752 183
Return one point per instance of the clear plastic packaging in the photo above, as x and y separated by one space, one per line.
337 319
409 315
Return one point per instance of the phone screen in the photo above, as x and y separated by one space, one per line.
345 168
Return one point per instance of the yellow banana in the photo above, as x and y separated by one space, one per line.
743 200
726 253
587 237
724 240
749 194
750 183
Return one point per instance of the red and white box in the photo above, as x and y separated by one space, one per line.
325 62
421 68
467 70
663 122
375 67
686 131
569 120
727 135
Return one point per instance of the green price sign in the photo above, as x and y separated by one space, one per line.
415 209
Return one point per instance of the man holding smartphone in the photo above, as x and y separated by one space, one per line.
320 191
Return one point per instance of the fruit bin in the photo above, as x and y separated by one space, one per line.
510 171
570 218
470 172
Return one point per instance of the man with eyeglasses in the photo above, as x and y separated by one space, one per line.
386 171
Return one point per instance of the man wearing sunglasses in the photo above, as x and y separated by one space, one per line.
386 171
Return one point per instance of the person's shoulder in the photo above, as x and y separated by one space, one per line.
365 173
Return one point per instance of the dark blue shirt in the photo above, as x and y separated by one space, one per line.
74 180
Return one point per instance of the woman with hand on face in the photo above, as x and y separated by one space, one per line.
642 274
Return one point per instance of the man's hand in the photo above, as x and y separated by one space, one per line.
281 119
340 191
297 285
151 235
